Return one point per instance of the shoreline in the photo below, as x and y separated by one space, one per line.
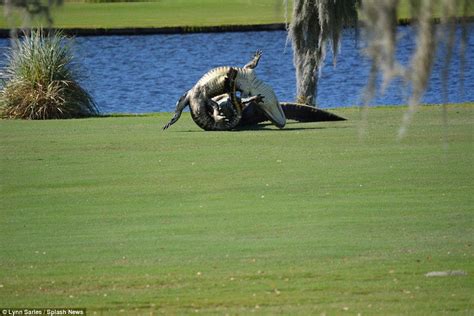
5 33
128 31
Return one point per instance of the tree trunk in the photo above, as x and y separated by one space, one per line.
314 22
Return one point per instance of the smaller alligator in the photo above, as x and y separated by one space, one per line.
217 82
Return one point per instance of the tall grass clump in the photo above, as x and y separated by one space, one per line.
40 82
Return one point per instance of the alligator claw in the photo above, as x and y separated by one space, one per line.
168 125
254 62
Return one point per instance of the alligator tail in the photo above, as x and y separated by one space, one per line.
293 111
305 113
180 105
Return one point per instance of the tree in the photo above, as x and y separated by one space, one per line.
313 24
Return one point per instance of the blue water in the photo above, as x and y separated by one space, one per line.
139 74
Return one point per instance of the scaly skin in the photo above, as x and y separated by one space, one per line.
205 110
252 115
218 121
293 111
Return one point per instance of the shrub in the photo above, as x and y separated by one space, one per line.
40 80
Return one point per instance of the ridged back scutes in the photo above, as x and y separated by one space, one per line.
245 81
250 85
212 80
213 74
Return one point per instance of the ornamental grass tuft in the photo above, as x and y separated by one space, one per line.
40 82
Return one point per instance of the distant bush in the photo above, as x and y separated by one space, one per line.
39 81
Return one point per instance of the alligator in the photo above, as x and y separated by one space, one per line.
229 106
227 117
207 113
251 115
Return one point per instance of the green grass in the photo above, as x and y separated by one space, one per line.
167 13
175 13
113 214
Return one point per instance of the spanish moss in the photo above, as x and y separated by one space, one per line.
27 10
313 24
380 20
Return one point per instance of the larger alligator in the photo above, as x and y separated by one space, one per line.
205 111
249 112
252 115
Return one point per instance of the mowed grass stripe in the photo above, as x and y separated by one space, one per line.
114 214
166 13
169 13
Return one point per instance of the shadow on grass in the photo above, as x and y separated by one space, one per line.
270 127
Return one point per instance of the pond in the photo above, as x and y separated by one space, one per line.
140 74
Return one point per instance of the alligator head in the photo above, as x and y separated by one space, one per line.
249 85
270 106
274 112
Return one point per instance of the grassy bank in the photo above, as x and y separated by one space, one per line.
166 13
113 214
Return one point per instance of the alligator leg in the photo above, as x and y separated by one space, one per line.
254 62
215 111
